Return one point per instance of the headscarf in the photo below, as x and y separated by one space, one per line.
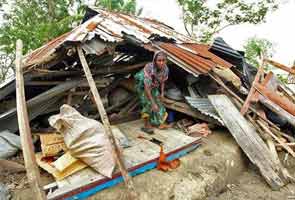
152 77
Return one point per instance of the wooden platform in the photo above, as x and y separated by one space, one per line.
141 156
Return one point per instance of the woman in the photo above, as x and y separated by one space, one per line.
150 84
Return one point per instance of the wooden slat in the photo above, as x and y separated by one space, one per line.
248 139
107 126
33 173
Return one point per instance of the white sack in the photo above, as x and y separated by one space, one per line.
9 144
85 138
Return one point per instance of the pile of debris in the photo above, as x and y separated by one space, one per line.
207 87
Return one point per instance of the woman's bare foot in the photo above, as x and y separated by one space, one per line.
164 126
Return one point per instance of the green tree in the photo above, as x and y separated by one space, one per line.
38 21
202 19
254 47
35 22
125 6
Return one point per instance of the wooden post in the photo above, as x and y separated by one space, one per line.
106 123
24 128
246 105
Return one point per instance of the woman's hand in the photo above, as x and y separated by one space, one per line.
155 107
162 97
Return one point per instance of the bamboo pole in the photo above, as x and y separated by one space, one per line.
24 128
103 115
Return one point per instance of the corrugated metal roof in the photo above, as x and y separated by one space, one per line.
38 55
205 107
109 27
197 56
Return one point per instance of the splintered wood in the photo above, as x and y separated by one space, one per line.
249 140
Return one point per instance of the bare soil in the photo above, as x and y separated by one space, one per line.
251 186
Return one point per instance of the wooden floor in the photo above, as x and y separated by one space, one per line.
140 156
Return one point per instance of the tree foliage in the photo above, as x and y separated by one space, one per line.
254 47
125 6
202 18
36 22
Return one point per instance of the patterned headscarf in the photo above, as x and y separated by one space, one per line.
152 77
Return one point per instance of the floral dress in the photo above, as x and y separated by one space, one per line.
151 77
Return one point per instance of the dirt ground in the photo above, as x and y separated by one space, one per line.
251 186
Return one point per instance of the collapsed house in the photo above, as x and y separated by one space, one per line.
207 87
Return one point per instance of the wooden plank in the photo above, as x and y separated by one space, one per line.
83 191
142 155
106 123
248 139
33 173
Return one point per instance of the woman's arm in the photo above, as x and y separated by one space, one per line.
162 89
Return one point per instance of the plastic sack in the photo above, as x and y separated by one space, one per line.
85 138
9 144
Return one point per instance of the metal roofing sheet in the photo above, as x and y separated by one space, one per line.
196 56
205 107
110 27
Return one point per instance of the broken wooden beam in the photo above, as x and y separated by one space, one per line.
33 173
258 76
280 66
265 81
118 69
103 115
249 140
266 129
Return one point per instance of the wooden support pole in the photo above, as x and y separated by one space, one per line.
265 81
24 128
106 123
247 103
